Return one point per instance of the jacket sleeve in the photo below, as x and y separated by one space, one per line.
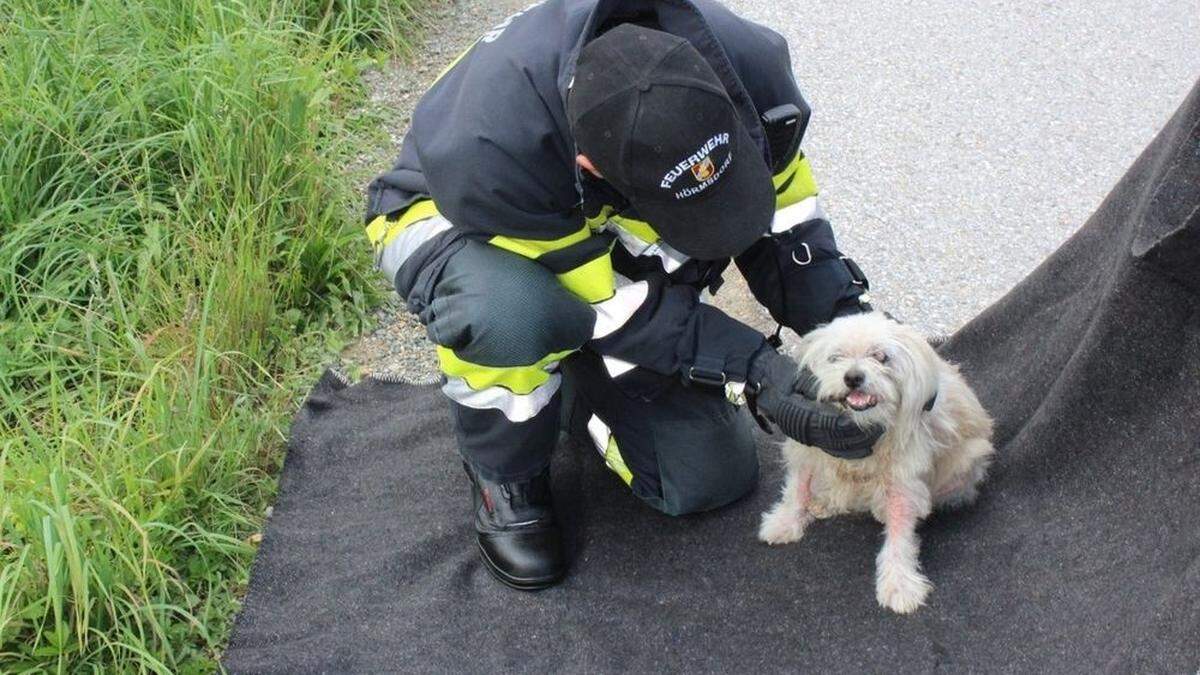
797 271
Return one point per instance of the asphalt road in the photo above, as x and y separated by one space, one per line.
959 142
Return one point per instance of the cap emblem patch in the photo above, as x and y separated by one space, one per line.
704 169
699 162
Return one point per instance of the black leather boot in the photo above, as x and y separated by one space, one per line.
518 537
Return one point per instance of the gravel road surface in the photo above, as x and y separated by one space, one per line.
956 142
397 347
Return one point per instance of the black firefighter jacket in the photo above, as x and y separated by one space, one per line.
490 156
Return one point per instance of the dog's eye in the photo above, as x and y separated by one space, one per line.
880 356
833 358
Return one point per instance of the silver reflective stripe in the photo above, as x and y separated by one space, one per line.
800 212
516 407
600 434
612 313
670 258
616 367
402 247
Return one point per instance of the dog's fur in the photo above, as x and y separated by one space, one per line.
924 459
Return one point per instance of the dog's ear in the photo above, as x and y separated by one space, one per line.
920 363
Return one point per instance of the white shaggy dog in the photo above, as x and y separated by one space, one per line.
934 451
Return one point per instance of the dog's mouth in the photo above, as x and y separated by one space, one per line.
860 400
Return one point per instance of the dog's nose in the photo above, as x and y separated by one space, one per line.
854 378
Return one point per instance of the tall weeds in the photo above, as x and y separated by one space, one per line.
177 247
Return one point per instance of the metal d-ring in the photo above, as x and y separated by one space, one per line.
807 252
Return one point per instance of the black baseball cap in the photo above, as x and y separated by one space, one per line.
652 116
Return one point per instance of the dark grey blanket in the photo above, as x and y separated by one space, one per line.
1082 554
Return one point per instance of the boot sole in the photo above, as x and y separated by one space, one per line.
513 582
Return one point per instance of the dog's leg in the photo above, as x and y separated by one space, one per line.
785 523
899 584
958 492
960 486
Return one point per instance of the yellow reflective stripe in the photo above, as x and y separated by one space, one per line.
453 63
532 248
597 221
614 461
802 185
382 231
376 230
638 228
592 281
517 379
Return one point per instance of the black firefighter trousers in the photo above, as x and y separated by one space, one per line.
509 338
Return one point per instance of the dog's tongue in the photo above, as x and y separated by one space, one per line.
858 399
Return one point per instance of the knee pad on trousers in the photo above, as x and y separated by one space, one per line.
495 308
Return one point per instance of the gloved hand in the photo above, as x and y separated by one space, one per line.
787 395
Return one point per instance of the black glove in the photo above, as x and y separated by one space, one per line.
786 395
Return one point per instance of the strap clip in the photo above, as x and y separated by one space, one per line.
856 274
715 378
808 256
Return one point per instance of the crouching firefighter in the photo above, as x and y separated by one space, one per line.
568 188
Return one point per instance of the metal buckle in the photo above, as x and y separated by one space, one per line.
708 377
807 252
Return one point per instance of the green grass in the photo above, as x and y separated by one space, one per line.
178 252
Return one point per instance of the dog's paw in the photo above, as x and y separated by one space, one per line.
901 589
782 525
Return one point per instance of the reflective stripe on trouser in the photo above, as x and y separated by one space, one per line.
686 450
520 392
506 418
503 450
502 323
606 444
